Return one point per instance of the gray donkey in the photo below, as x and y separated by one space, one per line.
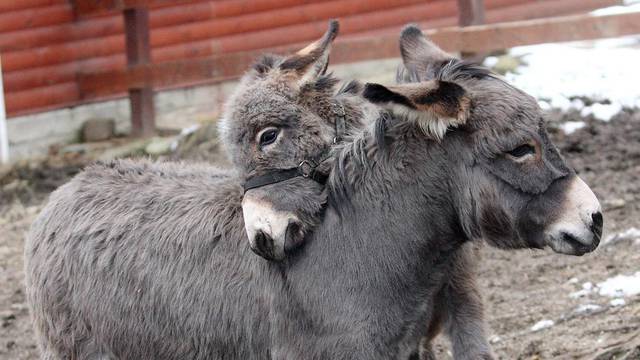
278 228
423 60
120 264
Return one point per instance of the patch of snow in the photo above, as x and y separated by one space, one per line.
599 70
632 233
174 145
620 286
490 61
573 280
544 105
579 294
577 104
602 112
570 127
614 10
542 324
587 308
561 102
586 290
189 129
617 302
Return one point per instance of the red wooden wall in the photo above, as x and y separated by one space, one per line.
44 45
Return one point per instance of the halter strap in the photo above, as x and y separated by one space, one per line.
340 121
306 169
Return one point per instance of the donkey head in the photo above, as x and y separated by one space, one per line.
282 114
511 186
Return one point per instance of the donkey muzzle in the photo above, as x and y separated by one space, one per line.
578 229
271 233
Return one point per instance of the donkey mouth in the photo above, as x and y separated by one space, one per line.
567 243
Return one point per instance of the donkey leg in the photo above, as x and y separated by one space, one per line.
438 315
464 324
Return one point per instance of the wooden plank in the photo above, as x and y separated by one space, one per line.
36 17
470 12
139 54
6 6
219 8
42 98
93 7
60 73
478 38
539 31
548 8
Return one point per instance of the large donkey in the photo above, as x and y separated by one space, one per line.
524 152
120 264
279 217
274 223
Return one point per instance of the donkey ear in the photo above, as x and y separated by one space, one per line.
420 53
312 61
435 105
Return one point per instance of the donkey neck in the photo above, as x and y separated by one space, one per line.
382 262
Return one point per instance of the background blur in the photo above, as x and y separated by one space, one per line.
86 80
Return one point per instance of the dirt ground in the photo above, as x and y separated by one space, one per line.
520 288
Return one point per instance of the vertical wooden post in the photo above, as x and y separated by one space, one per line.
470 12
4 136
136 21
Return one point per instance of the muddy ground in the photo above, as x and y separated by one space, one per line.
520 288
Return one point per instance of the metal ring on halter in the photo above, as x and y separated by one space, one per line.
305 168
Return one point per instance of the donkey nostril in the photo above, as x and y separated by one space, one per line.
264 245
596 226
294 236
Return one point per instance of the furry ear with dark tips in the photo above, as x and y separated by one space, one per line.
434 105
419 53
312 61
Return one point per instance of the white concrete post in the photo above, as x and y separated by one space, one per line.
4 136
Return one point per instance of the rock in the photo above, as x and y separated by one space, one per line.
20 307
15 185
201 145
5 170
98 129
7 319
506 63
159 146
611 204
75 148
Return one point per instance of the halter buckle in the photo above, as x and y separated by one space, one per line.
305 168
338 110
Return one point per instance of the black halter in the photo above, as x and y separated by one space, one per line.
307 168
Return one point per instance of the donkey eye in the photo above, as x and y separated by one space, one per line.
522 151
268 136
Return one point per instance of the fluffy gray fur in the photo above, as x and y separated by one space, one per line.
137 260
